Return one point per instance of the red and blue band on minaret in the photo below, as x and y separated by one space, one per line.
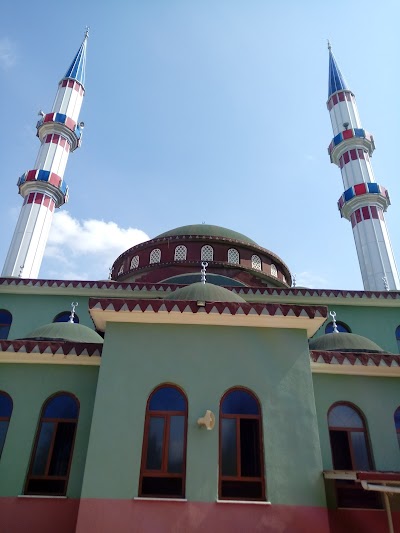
43 187
363 201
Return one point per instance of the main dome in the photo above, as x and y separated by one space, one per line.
208 230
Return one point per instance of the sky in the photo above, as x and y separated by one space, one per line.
200 111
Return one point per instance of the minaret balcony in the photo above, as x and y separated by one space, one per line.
363 194
351 138
44 181
62 124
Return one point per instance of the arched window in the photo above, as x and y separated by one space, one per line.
5 323
233 256
64 317
155 256
207 253
134 262
163 466
397 335
396 423
180 253
341 326
274 272
256 262
350 451
54 443
241 465
6 406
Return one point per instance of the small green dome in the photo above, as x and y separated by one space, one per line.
344 342
65 331
205 292
207 230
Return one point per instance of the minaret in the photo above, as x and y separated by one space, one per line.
43 188
363 201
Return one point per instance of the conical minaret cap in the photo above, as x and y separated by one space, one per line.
77 68
336 79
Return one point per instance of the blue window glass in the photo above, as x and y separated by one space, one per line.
5 323
341 326
240 402
52 452
64 317
344 416
167 399
398 338
397 423
61 406
6 406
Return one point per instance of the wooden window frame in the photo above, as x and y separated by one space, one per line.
350 485
239 478
163 473
56 421
6 418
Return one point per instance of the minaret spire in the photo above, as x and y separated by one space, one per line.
363 201
43 188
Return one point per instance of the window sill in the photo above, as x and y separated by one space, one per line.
41 496
246 502
145 499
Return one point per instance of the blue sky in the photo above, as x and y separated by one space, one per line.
199 111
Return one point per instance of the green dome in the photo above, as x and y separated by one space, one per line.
205 292
208 230
65 331
344 342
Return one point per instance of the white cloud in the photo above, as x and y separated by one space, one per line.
311 280
7 53
85 249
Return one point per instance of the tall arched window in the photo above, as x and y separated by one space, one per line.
241 465
163 467
256 262
350 451
341 326
5 323
233 256
180 253
54 443
397 337
274 271
64 317
155 256
207 253
6 406
134 262
397 423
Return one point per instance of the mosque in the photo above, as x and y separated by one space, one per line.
198 389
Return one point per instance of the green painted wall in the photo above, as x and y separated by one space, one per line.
32 311
377 398
376 323
29 386
205 362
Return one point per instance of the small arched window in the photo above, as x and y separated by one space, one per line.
155 256
134 262
5 323
233 256
241 465
274 271
54 444
256 262
207 253
341 326
180 253
397 337
6 406
163 466
397 423
64 317
350 451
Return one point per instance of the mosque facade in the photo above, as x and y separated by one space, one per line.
197 389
